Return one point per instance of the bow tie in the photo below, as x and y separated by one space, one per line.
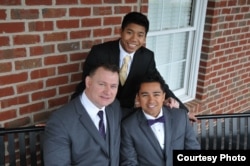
153 121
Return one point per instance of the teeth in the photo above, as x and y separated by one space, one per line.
132 45
151 106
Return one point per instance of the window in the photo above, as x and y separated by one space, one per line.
175 35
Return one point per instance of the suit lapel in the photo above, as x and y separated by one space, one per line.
149 133
88 124
168 130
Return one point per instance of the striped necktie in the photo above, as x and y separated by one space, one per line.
101 124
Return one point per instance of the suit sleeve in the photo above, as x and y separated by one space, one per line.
191 141
128 155
56 145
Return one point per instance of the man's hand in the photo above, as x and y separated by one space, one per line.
172 103
192 117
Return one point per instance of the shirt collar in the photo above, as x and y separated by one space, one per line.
152 117
89 105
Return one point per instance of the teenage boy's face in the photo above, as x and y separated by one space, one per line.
133 37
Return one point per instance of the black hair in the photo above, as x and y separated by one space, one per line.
107 66
136 18
153 77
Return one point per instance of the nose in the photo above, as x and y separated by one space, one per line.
107 90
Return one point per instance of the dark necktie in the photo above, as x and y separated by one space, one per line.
101 124
153 121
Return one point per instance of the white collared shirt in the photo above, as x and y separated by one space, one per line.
158 129
123 53
92 110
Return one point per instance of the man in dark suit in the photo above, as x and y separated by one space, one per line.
133 36
79 133
150 135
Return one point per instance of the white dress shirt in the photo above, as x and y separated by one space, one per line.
123 53
158 129
92 110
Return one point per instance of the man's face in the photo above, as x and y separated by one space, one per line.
151 98
133 37
102 87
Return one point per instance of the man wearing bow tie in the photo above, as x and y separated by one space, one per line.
150 135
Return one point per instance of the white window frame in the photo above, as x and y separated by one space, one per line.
188 92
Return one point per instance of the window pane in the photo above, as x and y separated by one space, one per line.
170 14
171 57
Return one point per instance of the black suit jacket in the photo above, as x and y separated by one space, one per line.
143 63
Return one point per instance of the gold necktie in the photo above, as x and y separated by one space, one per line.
124 69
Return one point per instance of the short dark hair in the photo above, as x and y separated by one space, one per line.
107 66
153 77
136 18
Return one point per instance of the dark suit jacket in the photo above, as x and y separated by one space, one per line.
143 63
139 146
71 137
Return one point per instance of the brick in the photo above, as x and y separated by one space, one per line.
58 101
102 32
4 41
122 9
91 22
112 21
10 3
44 94
24 14
43 2
88 2
86 11
65 47
42 50
53 13
11 27
113 1
57 81
31 108
76 77
12 53
67 89
67 24
3 14
28 64
70 68
5 67
100 11
78 57
26 39
66 2
80 34
42 73
6 115
29 87
18 122
41 26
16 100
41 117
7 91
13 78
52 60
56 36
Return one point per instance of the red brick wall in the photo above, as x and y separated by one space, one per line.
224 73
43 45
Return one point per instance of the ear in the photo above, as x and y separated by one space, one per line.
87 81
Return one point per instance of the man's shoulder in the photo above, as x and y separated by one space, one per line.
133 118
